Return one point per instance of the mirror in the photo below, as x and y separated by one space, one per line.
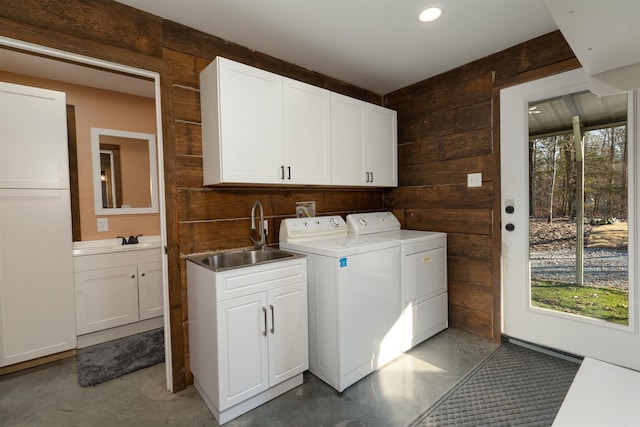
125 179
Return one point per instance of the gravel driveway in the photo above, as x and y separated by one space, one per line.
602 267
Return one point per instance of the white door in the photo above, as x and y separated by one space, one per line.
307 134
106 298
347 140
150 298
604 340
243 363
37 312
288 345
33 138
381 146
251 123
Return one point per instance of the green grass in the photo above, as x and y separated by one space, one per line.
607 304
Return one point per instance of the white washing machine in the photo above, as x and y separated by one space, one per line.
424 273
355 302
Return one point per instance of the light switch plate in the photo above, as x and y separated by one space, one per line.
103 224
474 180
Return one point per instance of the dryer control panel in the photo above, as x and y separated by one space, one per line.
372 222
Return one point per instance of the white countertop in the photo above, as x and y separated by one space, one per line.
93 247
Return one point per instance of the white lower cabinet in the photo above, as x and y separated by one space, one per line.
37 314
116 289
248 336
150 297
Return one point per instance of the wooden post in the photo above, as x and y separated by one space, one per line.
579 145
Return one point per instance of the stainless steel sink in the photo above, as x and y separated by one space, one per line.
238 259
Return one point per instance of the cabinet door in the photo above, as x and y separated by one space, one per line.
33 138
288 332
106 298
307 133
347 140
150 295
250 123
243 359
37 312
381 146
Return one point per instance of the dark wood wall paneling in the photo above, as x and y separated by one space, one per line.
448 127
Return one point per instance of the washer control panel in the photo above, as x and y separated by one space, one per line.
312 228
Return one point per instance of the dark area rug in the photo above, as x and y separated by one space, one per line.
106 361
510 387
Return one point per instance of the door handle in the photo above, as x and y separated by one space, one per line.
264 311
273 323
510 227
289 172
282 172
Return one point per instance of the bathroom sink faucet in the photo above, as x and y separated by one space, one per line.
260 243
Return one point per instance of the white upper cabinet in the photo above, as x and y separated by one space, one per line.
262 128
347 140
307 133
241 124
381 146
363 143
33 138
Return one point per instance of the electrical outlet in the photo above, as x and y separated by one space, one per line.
266 227
103 224
474 180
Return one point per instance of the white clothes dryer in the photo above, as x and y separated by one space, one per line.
423 272
355 307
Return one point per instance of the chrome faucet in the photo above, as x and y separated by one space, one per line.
258 244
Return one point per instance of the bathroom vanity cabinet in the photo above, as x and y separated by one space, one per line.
117 288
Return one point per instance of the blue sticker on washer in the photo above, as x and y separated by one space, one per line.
343 262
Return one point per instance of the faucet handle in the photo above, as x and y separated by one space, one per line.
124 239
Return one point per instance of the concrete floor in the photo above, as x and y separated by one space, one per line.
393 396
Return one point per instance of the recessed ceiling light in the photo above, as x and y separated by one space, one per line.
430 14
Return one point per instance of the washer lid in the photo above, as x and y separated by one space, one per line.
345 246
412 236
373 222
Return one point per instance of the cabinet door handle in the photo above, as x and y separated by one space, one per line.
371 177
273 322
133 276
143 274
289 172
367 177
264 311
282 172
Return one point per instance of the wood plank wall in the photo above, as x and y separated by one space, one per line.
448 127
198 219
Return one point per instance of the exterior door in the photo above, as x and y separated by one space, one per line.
617 343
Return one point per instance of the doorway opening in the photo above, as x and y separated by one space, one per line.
57 65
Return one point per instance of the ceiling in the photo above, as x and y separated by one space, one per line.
377 45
